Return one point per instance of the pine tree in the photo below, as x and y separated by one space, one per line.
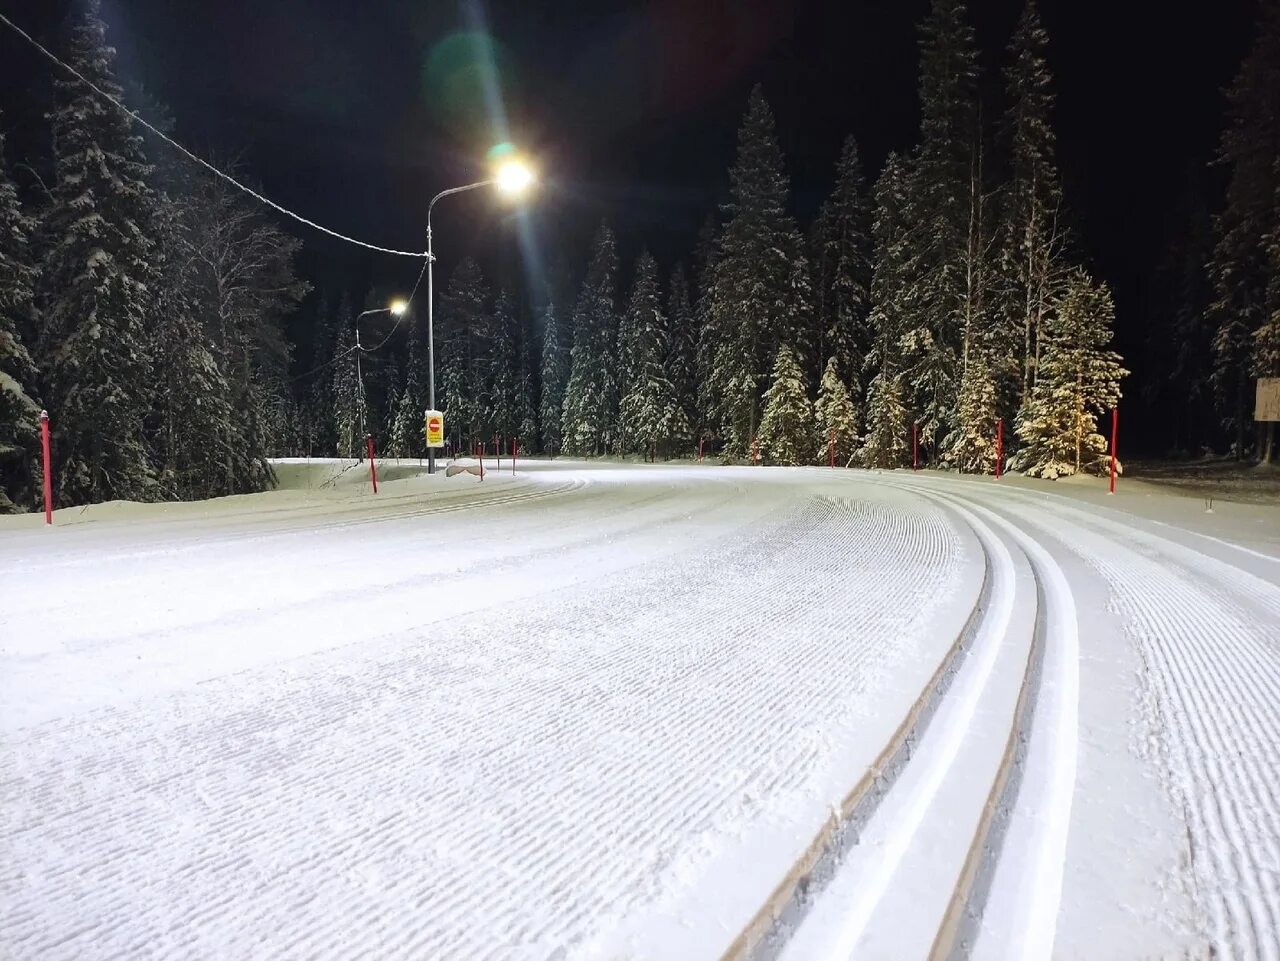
590 400
842 268
19 411
760 286
1240 269
346 395
884 443
527 399
1078 380
641 354
706 253
1034 240
504 387
466 345
938 205
95 284
835 416
787 429
555 372
971 445
682 349
406 426
1266 339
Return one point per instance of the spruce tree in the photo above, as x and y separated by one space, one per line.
590 400
465 348
835 417
641 357
706 253
1078 381
95 285
346 395
971 445
760 295
19 411
884 443
1034 239
406 426
503 392
555 372
682 348
1266 339
1240 269
787 429
842 268
938 205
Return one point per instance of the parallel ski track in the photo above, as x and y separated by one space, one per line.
1209 637
765 937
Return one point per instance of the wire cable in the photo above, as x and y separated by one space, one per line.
191 156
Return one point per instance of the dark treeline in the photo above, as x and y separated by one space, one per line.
142 304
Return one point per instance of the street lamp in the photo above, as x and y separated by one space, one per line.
511 178
395 308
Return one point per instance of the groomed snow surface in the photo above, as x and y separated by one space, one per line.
598 711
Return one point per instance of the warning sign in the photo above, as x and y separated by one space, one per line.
1268 406
435 428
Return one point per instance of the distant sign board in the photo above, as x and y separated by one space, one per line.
435 428
1268 406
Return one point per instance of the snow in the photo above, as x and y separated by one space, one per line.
598 711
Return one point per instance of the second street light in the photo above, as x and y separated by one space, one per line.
512 178
395 308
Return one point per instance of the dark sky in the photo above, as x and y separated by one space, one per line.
356 113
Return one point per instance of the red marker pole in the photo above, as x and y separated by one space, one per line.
515 446
373 471
1115 429
48 471
915 446
999 447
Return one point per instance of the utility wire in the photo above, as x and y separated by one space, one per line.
190 156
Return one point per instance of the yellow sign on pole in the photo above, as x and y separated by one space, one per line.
435 428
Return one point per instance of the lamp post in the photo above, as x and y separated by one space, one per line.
512 178
395 308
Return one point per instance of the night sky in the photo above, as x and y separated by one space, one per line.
356 113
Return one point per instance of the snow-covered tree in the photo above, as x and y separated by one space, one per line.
591 398
19 411
836 416
406 427
95 285
938 208
465 338
1266 339
787 430
346 395
842 268
682 347
555 372
1034 240
503 393
971 445
641 356
1079 379
1241 269
706 252
884 442
760 296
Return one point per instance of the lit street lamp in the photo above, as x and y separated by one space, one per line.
395 308
512 178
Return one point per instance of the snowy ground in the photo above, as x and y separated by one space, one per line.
595 712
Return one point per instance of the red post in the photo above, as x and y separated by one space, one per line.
999 447
373 470
515 446
1115 429
915 446
48 470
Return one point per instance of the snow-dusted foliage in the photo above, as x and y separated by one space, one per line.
464 345
1079 379
19 411
786 430
971 446
651 419
760 282
346 395
555 372
835 417
591 395
682 348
